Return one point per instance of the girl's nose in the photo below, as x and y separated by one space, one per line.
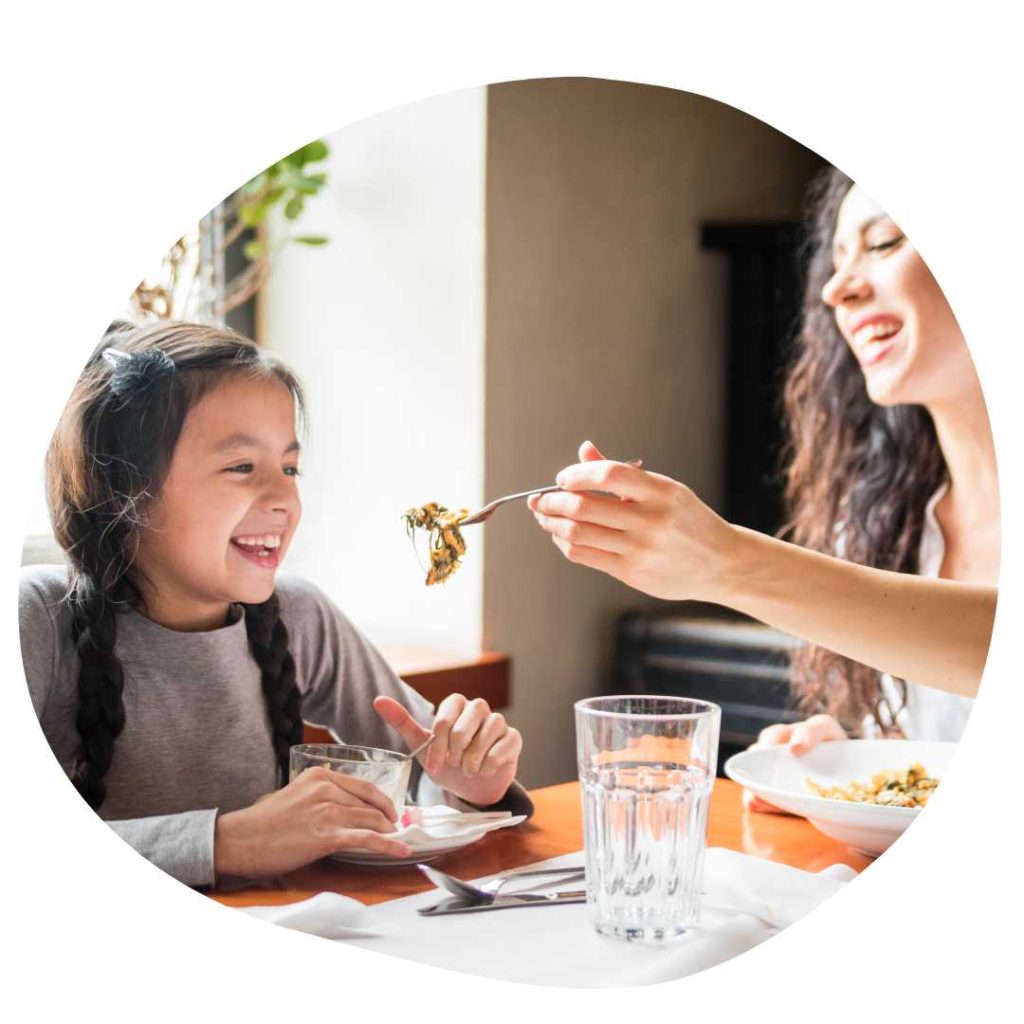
845 285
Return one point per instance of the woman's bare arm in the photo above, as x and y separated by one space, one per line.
656 535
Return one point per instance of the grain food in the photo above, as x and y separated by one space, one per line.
446 543
908 788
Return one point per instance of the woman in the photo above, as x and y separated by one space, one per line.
892 466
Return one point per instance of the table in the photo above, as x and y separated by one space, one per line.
555 829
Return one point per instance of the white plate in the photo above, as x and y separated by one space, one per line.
781 778
420 854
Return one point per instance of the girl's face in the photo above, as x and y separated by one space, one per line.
228 508
892 312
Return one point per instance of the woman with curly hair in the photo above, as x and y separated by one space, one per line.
892 552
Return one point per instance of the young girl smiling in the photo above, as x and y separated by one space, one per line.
172 667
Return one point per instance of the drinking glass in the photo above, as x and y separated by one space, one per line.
647 765
387 769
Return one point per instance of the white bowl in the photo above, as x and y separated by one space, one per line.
780 777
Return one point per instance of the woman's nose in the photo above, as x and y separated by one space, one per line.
845 285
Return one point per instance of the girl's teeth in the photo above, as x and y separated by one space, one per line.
880 329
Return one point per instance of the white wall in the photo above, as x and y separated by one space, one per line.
385 327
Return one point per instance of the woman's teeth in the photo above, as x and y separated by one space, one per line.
876 331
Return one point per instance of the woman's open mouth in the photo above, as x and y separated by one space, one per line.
873 339
260 549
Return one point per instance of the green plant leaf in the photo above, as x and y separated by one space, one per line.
308 154
253 250
294 207
251 214
311 239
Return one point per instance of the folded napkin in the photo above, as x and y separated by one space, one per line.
746 900
440 823
327 914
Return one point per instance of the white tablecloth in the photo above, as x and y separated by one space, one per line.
746 901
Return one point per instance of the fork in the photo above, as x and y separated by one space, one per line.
489 509
488 891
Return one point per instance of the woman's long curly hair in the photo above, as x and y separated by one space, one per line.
104 468
859 475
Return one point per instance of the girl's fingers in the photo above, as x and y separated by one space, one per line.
604 475
593 558
447 714
590 508
614 541
348 790
366 818
493 729
504 752
589 452
473 716
365 839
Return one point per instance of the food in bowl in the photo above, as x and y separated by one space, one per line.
446 543
891 788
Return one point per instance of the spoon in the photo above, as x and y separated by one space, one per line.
419 750
488 510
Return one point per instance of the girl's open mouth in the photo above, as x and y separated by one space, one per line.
261 550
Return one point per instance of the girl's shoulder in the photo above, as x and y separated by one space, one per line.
42 595
305 608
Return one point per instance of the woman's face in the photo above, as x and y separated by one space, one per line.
229 506
892 312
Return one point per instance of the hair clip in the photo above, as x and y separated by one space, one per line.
115 356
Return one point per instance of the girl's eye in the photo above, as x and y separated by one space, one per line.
292 471
242 467
885 244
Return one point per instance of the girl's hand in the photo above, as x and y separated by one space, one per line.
475 751
800 738
650 531
319 813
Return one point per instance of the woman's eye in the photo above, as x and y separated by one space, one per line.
292 471
242 467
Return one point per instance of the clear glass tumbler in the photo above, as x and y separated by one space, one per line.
388 770
647 766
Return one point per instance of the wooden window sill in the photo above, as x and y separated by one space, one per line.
435 676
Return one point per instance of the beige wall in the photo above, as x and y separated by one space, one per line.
604 320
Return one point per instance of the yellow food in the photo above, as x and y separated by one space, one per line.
909 788
446 543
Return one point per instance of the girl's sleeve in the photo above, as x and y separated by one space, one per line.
180 844
340 672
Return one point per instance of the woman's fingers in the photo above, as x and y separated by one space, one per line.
468 724
773 735
604 475
589 508
505 751
366 818
818 729
585 534
492 730
589 452
593 558
448 713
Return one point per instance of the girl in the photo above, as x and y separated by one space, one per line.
892 467
171 666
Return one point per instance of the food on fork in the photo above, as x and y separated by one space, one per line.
909 788
446 543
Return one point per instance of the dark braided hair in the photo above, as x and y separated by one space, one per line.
104 468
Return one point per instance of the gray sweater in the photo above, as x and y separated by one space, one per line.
197 738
